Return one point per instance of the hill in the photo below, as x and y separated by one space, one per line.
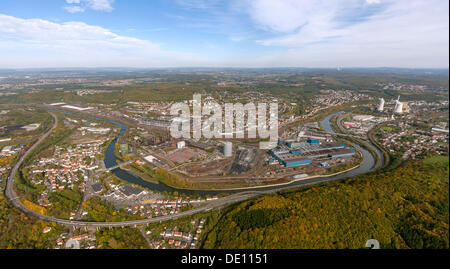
407 207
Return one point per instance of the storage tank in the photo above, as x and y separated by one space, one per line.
381 105
227 149
181 144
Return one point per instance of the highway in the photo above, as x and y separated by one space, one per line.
214 204
9 190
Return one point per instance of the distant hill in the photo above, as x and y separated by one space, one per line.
407 207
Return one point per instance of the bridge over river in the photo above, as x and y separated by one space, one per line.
120 165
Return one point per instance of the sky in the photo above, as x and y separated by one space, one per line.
224 33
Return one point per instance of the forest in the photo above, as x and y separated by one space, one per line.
18 230
120 238
100 210
407 207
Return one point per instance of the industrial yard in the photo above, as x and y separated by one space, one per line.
204 163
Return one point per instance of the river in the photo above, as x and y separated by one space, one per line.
111 160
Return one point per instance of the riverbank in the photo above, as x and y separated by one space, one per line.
282 184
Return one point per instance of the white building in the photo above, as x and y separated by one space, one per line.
439 130
181 144
149 158
99 130
31 127
363 117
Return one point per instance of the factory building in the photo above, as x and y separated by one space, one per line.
296 144
288 159
162 121
197 145
303 155
345 152
301 142
317 148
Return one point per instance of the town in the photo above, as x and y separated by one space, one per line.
109 163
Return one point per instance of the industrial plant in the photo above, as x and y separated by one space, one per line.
292 153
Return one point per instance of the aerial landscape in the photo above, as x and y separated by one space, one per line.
288 129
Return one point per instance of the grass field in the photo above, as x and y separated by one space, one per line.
442 160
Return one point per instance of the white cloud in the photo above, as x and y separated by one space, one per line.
38 29
74 9
199 4
284 15
289 16
104 5
352 32
41 43
82 5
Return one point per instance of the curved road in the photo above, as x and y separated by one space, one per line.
368 144
9 190
214 204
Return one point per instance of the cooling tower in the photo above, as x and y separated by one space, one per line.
381 105
398 106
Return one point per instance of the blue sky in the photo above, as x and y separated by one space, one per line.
238 33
